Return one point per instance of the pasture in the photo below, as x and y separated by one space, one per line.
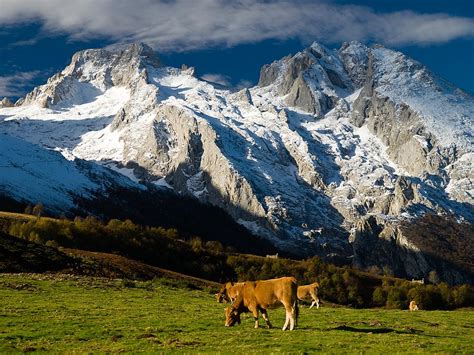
47 312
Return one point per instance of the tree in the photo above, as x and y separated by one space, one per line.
28 210
196 244
38 210
433 277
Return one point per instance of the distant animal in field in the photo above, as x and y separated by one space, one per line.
422 281
229 292
309 292
273 256
258 296
413 306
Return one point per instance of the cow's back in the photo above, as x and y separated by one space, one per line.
270 293
307 290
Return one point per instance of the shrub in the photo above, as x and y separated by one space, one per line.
396 298
127 283
379 297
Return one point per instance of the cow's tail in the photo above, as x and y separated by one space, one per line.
297 311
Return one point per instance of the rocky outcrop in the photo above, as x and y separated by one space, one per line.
355 58
308 80
6 102
300 96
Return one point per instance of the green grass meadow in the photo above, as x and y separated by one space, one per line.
67 313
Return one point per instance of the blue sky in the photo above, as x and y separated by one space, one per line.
228 41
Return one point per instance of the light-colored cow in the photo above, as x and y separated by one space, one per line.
258 296
413 306
309 292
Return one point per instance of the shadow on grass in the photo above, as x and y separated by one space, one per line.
377 330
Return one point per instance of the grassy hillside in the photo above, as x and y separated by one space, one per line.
66 313
18 255
22 256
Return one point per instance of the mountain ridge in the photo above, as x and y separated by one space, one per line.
327 139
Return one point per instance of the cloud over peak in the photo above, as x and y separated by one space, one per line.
175 25
13 85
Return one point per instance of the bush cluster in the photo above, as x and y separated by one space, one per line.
399 293
154 245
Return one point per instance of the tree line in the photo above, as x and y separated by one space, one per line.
170 249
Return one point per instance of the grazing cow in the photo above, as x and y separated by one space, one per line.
413 306
261 295
309 291
229 292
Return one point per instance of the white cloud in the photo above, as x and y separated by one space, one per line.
189 24
14 85
220 79
225 80
244 84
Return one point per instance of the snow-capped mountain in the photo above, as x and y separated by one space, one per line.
327 144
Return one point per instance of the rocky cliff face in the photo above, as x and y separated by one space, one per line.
416 248
326 140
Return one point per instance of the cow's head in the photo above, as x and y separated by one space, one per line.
222 296
232 316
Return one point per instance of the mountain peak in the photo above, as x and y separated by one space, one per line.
318 49
135 53
95 69
141 51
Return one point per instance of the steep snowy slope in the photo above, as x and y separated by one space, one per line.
34 174
328 139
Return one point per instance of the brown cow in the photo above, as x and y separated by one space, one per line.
229 292
261 295
309 291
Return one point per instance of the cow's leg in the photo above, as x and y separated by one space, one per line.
315 300
288 316
287 320
293 316
254 311
291 311
265 317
